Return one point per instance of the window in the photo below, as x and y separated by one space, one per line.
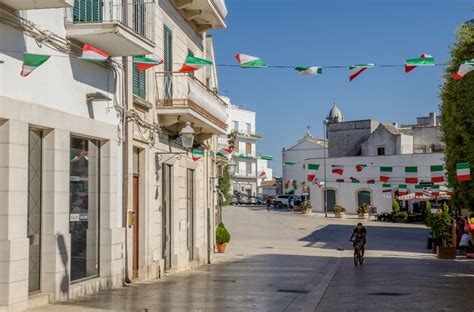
235 125
248 148
84 208
168 62
363 197
248 169
381 151
139 82
249 128
88 11
139 17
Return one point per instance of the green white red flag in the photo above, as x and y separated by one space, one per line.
262 175
356 70
360 167
423 60
435 190
90 53
450 190
371 181
144 63
311 177
402 189
32 62
437 174
313 70
266 157
289 163
418 190
354 180
464 68
249 61
337 169
194 63
225 152
197 155
463 172
385 173
411 175
313 166
386 188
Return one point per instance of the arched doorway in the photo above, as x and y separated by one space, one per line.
330 196
363 197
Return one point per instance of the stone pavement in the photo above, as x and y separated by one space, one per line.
281 261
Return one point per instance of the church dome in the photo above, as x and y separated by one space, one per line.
335 114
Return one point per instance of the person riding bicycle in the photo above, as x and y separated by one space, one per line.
359 234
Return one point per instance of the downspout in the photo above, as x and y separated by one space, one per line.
208 211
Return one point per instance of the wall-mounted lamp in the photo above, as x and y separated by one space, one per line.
97 97
187 136
231 165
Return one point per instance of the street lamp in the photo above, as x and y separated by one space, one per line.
231 165
187 136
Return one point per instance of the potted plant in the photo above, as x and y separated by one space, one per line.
306 207
401 216
363 211
441 227
339 211
222 237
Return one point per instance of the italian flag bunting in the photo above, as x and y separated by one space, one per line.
289 163
423 60
248 61
385 173
194 63
463 172
371 181
356 70
309 70
435 190
418 190
197 155
402 189
144 63
386 188
266 157
450 190
354 180
245 156
464 68
411 175
437 174
337 169
262 175
313 167
90 53
360 167
32 62
340 180
311 177
224 152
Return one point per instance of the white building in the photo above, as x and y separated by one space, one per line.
264 173
83 190
295 156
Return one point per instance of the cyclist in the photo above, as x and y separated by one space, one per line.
359 234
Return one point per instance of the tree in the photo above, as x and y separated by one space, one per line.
224 187
457 115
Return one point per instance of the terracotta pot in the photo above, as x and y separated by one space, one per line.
446 252
221 248
340 215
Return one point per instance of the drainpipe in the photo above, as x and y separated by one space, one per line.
208 211
125 167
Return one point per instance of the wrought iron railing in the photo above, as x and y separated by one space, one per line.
137 15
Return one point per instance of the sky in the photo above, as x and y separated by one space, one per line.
334 32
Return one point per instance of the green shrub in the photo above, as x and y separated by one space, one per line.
445 208
339 209
402 215
428 214
395 208
363 209
440 226
222 234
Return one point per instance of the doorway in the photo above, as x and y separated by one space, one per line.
330 199
34 208
136 213
190 213
166 215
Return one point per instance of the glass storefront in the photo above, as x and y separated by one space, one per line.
84 208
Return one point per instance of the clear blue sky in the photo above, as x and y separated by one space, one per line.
334 32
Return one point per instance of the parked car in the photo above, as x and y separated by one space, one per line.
244 200
281 200
260 200
253 200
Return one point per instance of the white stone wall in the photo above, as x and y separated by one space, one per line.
346 193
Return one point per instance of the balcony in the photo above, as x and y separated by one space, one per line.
182 98
36 5
204 14
116 29
245 175
243 133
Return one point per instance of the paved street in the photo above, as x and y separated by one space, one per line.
279 261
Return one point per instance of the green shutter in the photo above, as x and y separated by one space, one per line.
168 62
139 16
88 11
139 82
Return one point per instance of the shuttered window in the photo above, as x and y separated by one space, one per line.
139 82
168 62
139 16
88 11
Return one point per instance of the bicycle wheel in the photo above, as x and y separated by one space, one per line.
361 258
356 256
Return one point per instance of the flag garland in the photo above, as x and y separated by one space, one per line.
465 68
385 173
356 70
450 190
32 62
225 152
249 61
423 60
463 172
411 175
386 188
144 63
435 190
313 70
266 157
360 167
262 175
310 177
337 169
313 166
437 173
402 189
418 190
90 53
289 163
354 180
197 155
192 63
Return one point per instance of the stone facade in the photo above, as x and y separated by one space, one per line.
346 138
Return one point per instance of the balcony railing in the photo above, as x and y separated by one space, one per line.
184 90
248 134
246 174
137 16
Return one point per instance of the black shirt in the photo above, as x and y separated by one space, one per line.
359 233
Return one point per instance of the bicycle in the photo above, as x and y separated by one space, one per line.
358 255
